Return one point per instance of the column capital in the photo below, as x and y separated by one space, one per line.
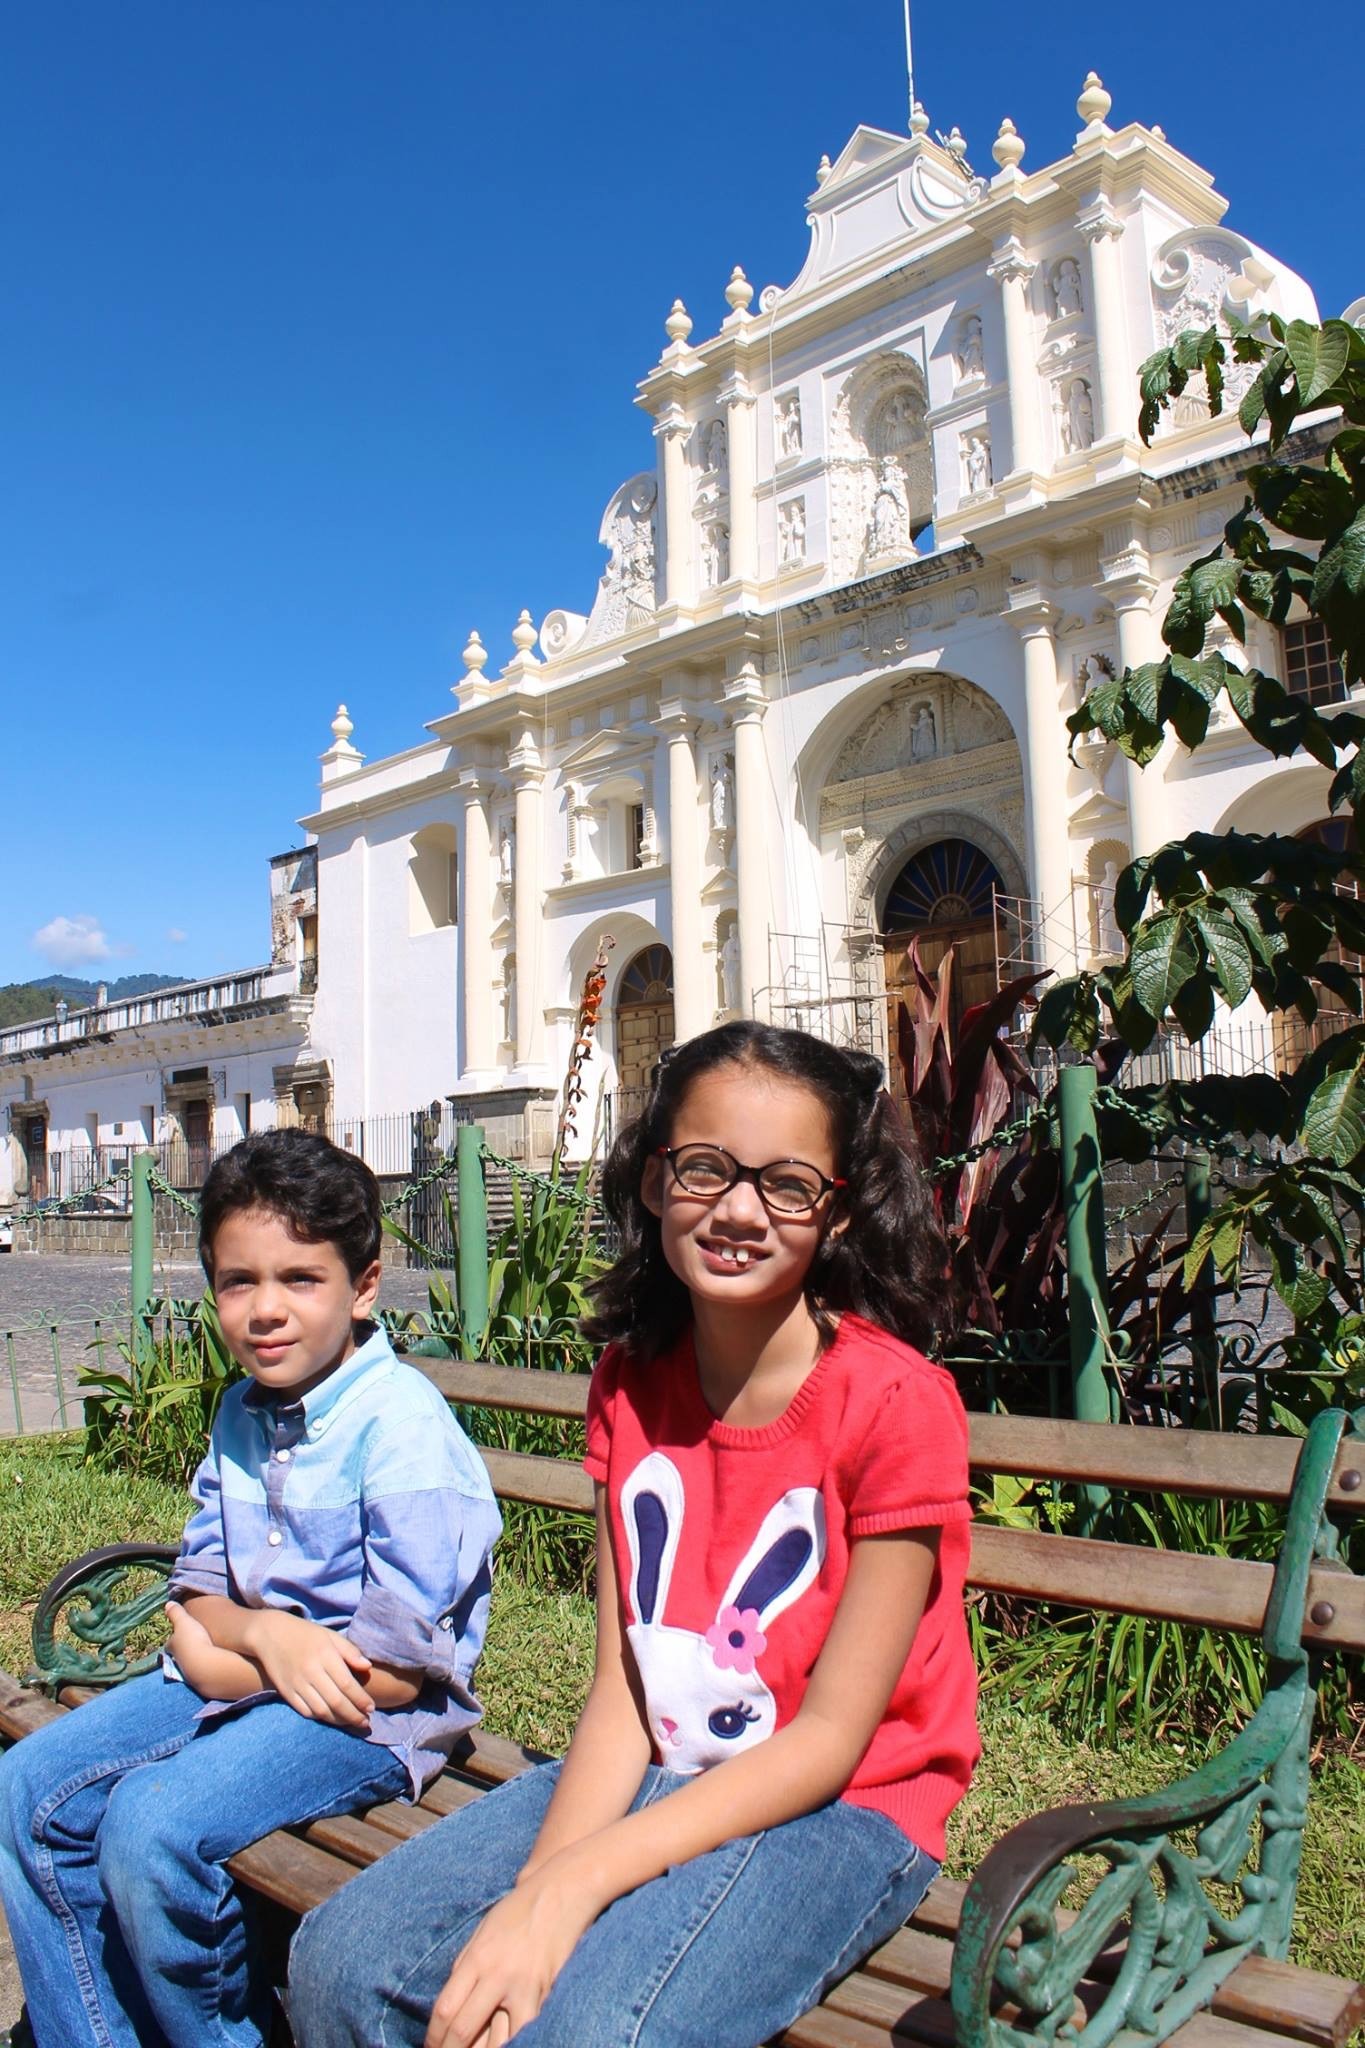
1008 262
524 764
735 391
676 718
1029 612
1126 575
744 696
672 425
474 780
1099 222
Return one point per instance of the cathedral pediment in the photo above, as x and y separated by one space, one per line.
882 188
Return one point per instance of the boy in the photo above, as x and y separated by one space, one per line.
327 1609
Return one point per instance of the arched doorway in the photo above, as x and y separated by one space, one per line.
644 1026
943 896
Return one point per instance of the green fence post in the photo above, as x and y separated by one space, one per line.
143 1236
1203 1337
1086 1265
472 1270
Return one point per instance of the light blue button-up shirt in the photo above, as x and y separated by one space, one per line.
363 1506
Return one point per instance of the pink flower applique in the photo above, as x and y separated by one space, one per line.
736 1639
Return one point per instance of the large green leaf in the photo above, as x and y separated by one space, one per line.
1229 954
1334 1121
1319 355
1163 958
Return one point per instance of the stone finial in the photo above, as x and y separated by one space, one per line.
475 655
341 757
342 727
919 120
1008 146
1158 134
1094 102
524 632
678 325
823 171
956 144
739 291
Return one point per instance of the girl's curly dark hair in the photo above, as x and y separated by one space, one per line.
888 1264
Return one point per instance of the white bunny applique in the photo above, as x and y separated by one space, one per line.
703 1694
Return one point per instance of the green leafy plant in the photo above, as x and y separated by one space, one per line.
151 1417
1218 917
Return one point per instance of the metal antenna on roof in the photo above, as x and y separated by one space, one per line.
909 62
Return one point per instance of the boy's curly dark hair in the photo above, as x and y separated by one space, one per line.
325 1195
890 1262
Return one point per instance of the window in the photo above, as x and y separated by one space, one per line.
434 891
635 835
1309 667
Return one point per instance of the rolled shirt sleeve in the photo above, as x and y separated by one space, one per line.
428 1521
202 1566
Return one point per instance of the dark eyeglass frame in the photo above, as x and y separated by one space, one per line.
753 1174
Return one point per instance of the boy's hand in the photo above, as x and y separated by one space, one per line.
315 1671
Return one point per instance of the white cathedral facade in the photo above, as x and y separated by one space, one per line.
897 518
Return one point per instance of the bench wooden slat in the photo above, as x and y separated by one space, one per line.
289 1872
1222 1592
548 1482
21 1711
1204 1463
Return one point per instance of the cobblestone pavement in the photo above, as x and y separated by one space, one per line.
54 1306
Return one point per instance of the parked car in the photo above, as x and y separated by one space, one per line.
6 1234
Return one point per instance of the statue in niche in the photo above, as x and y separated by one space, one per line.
713 448
791 533
1109 939
715 554
723 795
1066 288
890 529
789 423
507 856
923 735
977 460
509 1000
1078 417
971 361
729 971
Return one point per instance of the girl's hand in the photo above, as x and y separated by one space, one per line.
315 1671
504 1975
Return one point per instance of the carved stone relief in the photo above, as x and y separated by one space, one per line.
791 533
970 351
880 469
977 474
926 717
625 596
1064 289
789 425
1075 415
1190 289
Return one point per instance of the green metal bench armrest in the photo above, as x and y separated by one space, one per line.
89 1595
1189 1913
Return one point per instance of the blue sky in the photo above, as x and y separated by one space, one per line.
323 324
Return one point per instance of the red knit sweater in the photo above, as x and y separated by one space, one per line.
732 1547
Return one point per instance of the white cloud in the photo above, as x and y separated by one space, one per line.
176 936
72 941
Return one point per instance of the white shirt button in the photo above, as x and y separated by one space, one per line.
283 1457
274 1537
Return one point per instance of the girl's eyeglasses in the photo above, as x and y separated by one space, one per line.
789 1187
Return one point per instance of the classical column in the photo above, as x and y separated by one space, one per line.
524 766
671 430
1140 642
1045 768
1118 392
746 703
1012 270
691 1010
476 924
740 410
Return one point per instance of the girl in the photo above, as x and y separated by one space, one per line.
783 1708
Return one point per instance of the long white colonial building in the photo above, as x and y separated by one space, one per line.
897 516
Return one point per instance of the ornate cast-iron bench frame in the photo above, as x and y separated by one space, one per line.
1185 1930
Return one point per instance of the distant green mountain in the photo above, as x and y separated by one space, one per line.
23 1001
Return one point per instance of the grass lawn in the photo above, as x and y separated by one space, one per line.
539 1658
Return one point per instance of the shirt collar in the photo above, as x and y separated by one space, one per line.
322 1404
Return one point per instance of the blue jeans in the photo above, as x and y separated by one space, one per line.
114 1825
721 1952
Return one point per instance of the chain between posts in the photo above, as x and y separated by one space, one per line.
58 1205
158 1183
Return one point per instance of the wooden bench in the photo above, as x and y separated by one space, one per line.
1178 1924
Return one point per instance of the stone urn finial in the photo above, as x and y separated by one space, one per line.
1008 146
678 325
739 291
1094 103
475 655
